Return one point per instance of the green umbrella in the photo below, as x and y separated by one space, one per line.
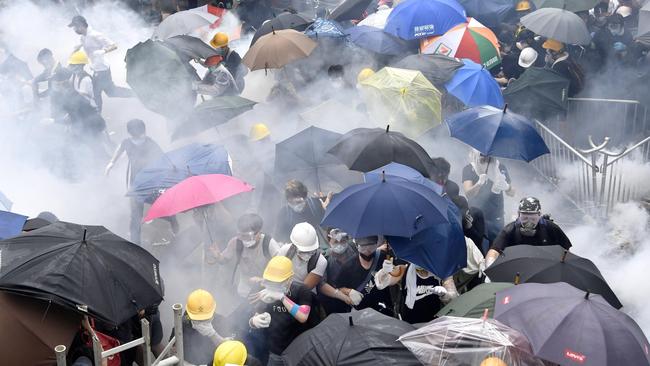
538 93
570 5
212 113
473 303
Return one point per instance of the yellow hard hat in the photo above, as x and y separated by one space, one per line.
219 40
78 58
200 305
554 45
493 361
365 74
279 269
523 5
230 353
259 131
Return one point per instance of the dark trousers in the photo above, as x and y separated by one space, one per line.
103 82
135 225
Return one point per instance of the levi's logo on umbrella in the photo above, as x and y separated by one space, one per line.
506 300
574 356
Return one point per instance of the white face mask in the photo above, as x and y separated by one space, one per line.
248 243
299 207
305 256
338 248
138 140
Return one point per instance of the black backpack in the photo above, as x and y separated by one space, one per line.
240 250
313 260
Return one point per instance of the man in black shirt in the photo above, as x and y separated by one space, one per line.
300 208
530 228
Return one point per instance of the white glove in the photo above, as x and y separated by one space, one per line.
109 166
440 291
270 297
261 320
481 268
388 266
501 185
482 179
204 328
356 297
99 53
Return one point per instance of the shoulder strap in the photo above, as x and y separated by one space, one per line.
240 250
313 260
371 271
291 252
265 246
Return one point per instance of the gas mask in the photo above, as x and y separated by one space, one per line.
305 256
528 223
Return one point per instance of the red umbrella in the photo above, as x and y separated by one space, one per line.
194 192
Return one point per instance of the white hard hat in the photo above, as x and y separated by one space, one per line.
527 57
624 11
304 237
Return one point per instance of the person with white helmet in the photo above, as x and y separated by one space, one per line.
309 265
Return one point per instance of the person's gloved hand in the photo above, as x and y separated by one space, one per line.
270 297
388 266
468 220
481 268
204 327
260 321
356 297
108 168
501 185
482 179
440 291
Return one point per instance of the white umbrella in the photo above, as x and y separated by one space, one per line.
377 19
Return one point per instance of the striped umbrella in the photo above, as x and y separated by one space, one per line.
470 40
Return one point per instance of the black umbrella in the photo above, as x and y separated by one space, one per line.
548 264
86 268
190 48
35 223
350 9
212 113
285 20
567 326
366 149
361 338
538 93
304 156
438 69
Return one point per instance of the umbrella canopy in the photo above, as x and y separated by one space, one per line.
400 171
277 49
489 12
403 98
472 304
11 224
498 132
175 166
212 113
196 191
558 24
377 19
550 264
394 207
35 223
163 86
464 341
190 48
539 93
31 329
285 20
325 28
570 5
568 326
471 40
304 156
438 69
86 268
376 40
183 22
5 203
350 10
415 19
440 249
362 338
473 85
366 149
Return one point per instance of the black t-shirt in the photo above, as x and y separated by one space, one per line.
427 304
140 155
287 219
335 264
199 349
284 328
491 204
353 276
547 233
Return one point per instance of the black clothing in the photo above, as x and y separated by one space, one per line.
76 110
547 233
140 155
335 264
287 219
103 82
198 349
491 204
427 304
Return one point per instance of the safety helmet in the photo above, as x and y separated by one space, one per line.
200 305
279 269
219 40
553 45
493 361
259 131
213 60
527 57
365 74
230 353
530 205
304 237
78 58
523 5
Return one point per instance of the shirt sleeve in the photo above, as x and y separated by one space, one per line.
501 241
321 266
284 249
560 237
103 40
469 174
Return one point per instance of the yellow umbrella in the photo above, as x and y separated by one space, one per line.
402 98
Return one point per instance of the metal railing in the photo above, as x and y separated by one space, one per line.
166 357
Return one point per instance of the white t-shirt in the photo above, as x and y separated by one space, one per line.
300 266
95 41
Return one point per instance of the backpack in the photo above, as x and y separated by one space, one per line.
240 251
107 342
577 76
311 264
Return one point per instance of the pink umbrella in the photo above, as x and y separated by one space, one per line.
194 192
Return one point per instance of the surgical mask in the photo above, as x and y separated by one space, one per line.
298 207
305 256
248 243
282 288
528 223
138 140
338 248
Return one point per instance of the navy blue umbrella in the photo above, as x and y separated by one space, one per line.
400 171
376 40
490 13
440 249
498 132
175 166
393 207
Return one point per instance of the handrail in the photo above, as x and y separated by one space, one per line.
629 150
566 145
624 101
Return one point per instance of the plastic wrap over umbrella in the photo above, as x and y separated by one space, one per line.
190 48
453 341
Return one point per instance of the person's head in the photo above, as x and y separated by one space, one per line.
296 194
364 74
338 240
46 58
553 48
61 81
441 170
367 246
615 24
278 274
524 39
230 353
79 25
530 212
527 57
136 128
249 229
493 361
77 61
200 305
213 62
304 238
259 131
219 40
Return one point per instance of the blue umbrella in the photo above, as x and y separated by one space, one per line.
440 249
393 207
490 13
415 19
11 224
473 85
376 40
498 132
400 171
324 28
175 166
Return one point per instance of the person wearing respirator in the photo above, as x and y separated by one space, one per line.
299 208
340 252
284 309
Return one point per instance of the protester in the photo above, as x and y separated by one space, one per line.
231 59
233 353
308 263
71 108
559 60
340 251
50 66
218 81
300 208
81 80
